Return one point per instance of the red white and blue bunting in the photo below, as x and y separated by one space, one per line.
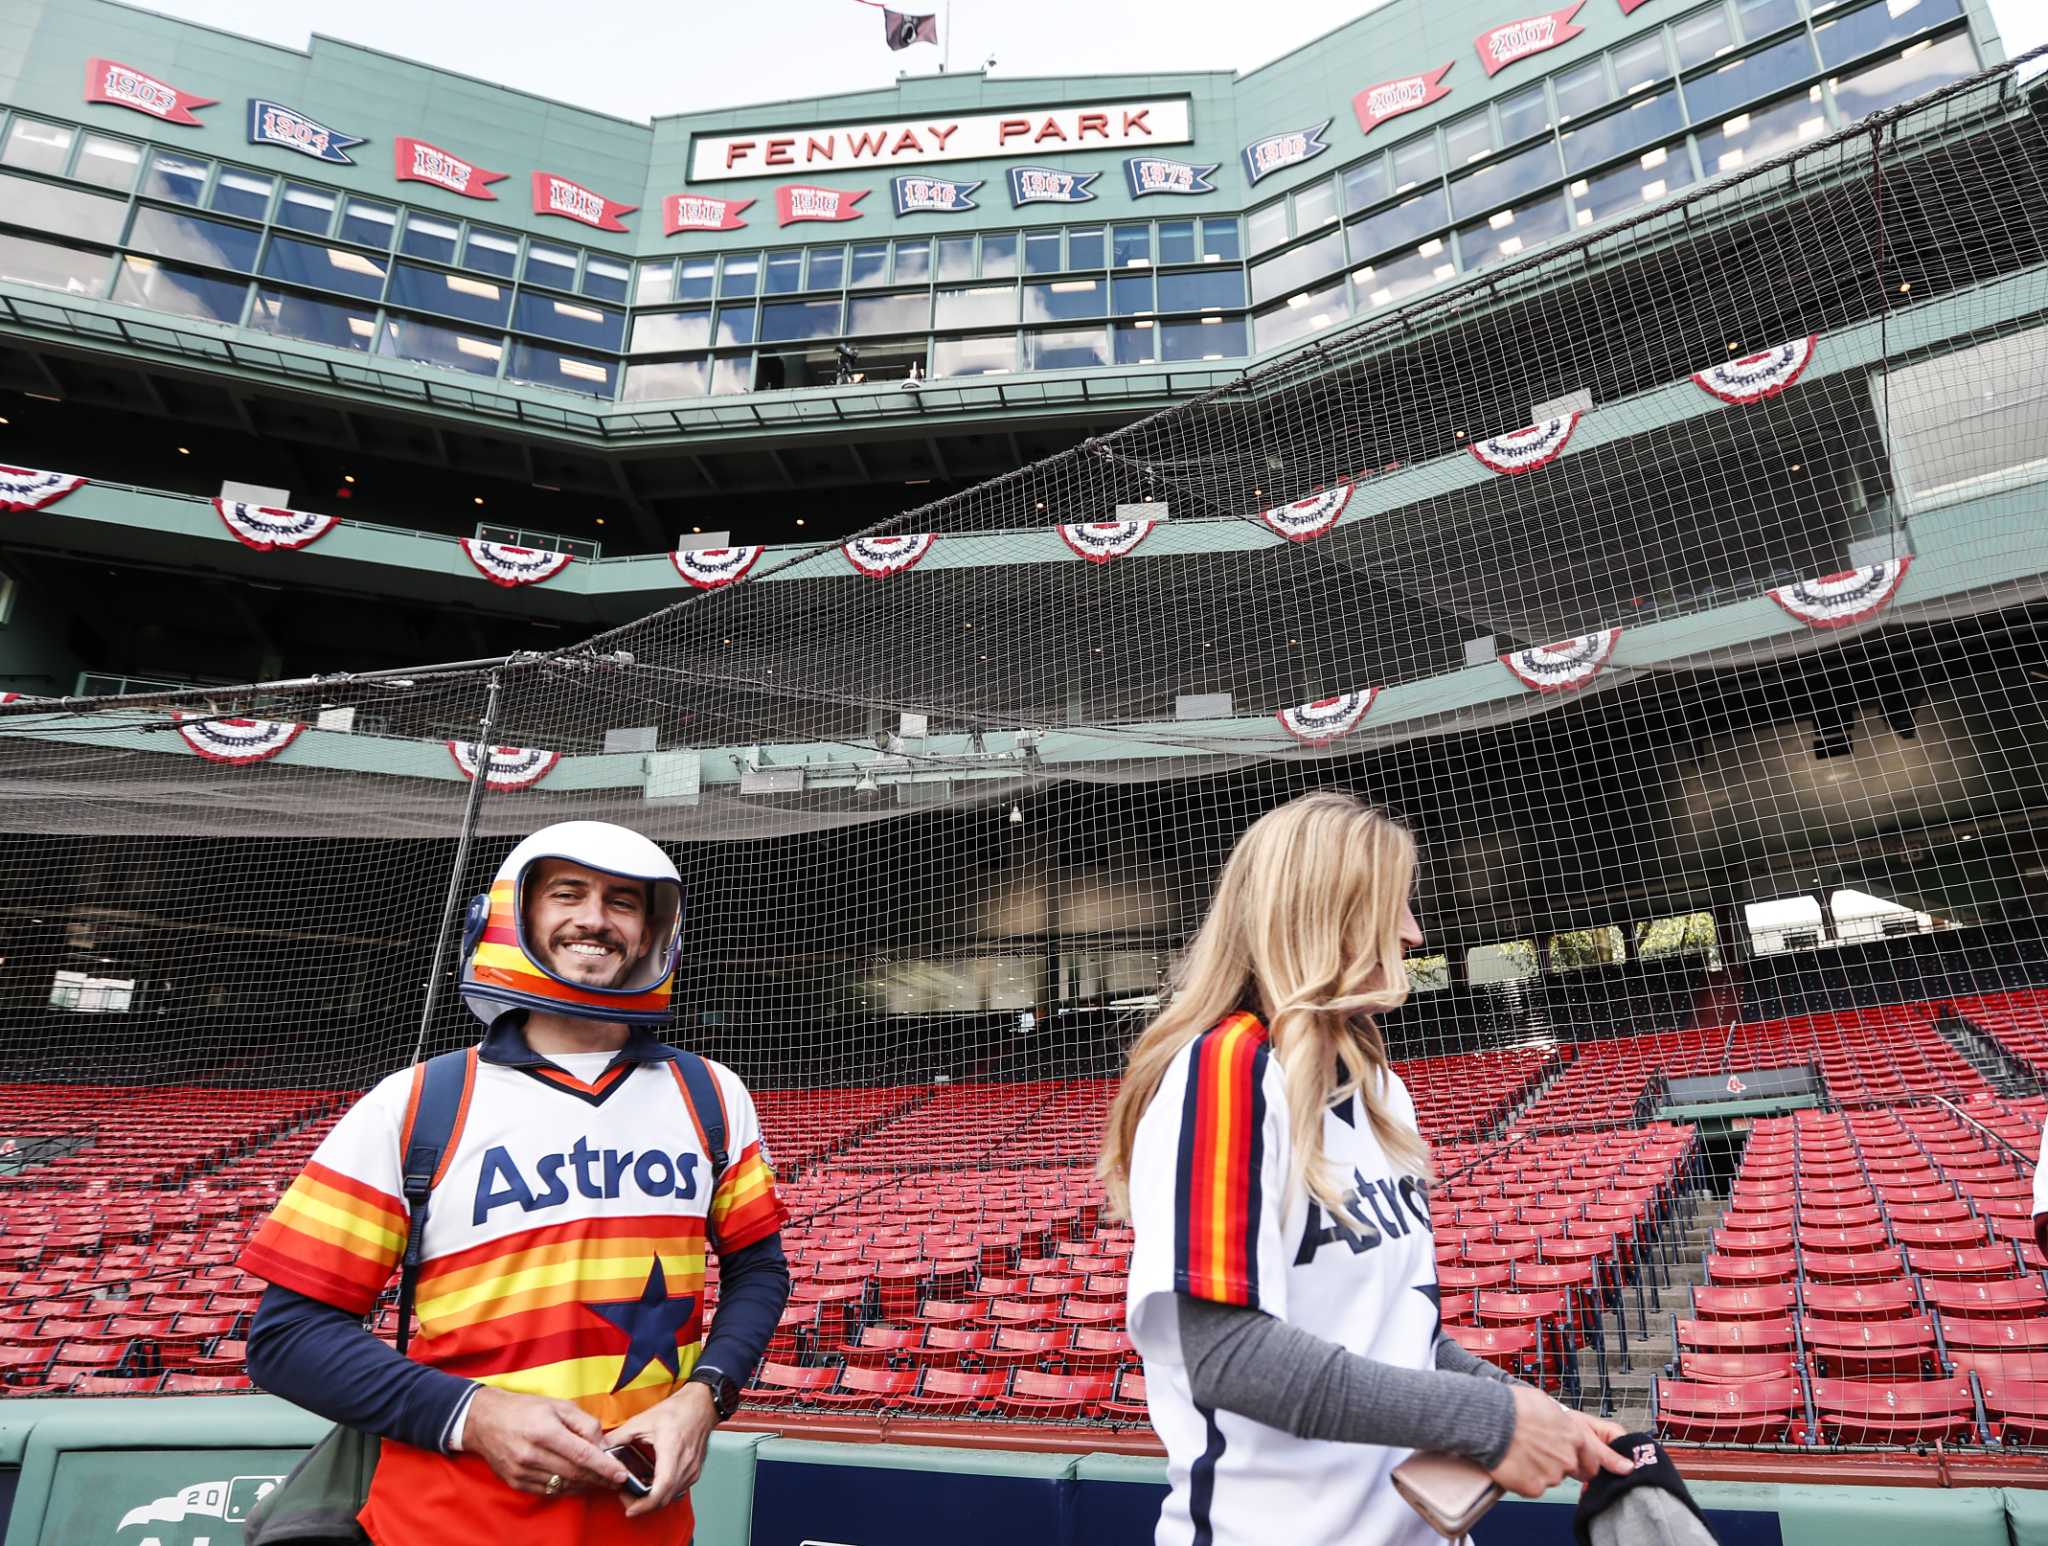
236 742
880 557
1327 719
266 528
1756 376
1308 518
1561 667
1837 600
1524 450
709 568
25 488
17 697
511 767
503 564
1101 541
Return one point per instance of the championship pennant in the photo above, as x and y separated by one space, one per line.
415 161
1756 376
271 123
507 767
1502 46
1325 720
1837 600
27 488
553 195
880 557
1561 667
1277 152
120 85
1390 99
1524 450
695 212
1308 518
236 742
796 202
1049 185
1101 541
503 564
1155 174
933 195
710 568
267 528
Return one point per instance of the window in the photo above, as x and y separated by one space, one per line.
306 209
1427 974
1949 444
738 275
325 268
736 324
1760 18
1504 180
1387 280
1577 949
981 306
491 252
48 266
1918 68
194 238
1068 350
870 265
1719 92
1647 119
1085 247
1508 960
791 321
663 331
1634 183
1065 300
999 256
550 265
654 283
1523 113
696 279
426 237
1508 233
1702 36
246 194
573 322
783 273
1582 89
1688 934
1134 343
283 314
178 178
1291 270
109 163
914 261
1365 184
452 295
1850 36
538 365
1131 295
1221 241
39 147
730 377
956 257
1402 225
975 356
146 282
1042 252
1749 137
827 269
1640 64
1268 226
369 223
1176 242
1469 138
889 313
1308 312
606 279
1201 290
1414 163
671 378
1206 338
92 995
407 338
1315 204
62 211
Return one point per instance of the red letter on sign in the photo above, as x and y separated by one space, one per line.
779 153
1050 131
1010 128
737 149
1098 122
907 140
819 150
1136 121
942 135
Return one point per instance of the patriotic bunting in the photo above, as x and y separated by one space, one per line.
1837 600
236 742
1561 667
24 488
1325 720
17 697
1101 541
1310 517
1756 376
267 528
511 767
503 564
1524 450
879 557
709 568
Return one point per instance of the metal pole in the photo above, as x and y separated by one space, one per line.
461 864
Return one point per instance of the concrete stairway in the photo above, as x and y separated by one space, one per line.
2001 1070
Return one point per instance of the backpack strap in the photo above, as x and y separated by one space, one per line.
707 1105
441 1088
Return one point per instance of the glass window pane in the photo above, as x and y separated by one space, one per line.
956 257
179 178
1414 162
828 268
1365 184
573 322
1642 121
1859 32
408 338
975 356
451 295
146 282
1085 249
1308 312
1072 349
1042 252
1132 245
48 266
306 209
1176 242
914 261
64 211
1301 266
1221 241
1508 233
662 331
697 277
1582 88
550 265
671 378
538 365
1135 343
783 273
1640 64
1642 180
1523 113
1400 225
109 163
1210 289
1208 338
194 238
325 268
1702 36
870 265
367 222
738 274
730 377
889 313
1917 68
37 147
283 314
606 279
1719 92
999 255
236 192
1748 137
1504 180
492 252
1315 204
789 321
1760 18
1064 300
655 283
1401 274
1130 295
427 237
1268 225
981 306
1469 138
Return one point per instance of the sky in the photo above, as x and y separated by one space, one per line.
642 58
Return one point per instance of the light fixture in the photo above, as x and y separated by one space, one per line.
348 477
1041 504
967 625
865 785
1796 467
1016 815
1906 287
600 520
725 641
477 499
2 421
183 452
799 520
1258 493
697 531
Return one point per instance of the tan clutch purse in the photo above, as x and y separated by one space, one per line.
1450 1492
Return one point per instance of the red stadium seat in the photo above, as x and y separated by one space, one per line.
881 1347
1902 1412
949 1347
1015 1347
1760 1413
1735 1368
955 1392
2018 1408
1764 1301
1897 1349
1052 1397
1098 1348
867 1388
1861 1301
2020 1297
778 1385
1127 1404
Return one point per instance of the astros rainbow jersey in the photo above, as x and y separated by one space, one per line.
563 1256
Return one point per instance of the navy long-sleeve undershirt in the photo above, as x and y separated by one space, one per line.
321 1358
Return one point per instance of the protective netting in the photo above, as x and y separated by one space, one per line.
1680 584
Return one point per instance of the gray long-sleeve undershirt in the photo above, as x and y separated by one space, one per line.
1244 1361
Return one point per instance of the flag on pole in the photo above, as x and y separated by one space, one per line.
900 30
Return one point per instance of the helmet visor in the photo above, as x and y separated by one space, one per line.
659 923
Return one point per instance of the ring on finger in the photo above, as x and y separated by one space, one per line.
554 1485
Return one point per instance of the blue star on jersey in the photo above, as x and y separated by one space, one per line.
650 1324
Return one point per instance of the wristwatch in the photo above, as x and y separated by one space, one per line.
725 1391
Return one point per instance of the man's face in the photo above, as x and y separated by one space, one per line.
586 927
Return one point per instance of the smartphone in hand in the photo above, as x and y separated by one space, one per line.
638 1459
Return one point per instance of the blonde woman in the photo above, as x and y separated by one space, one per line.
1283 1285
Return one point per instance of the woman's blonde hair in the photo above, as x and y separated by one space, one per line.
1305 932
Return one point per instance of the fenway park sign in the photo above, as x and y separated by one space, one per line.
902 143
